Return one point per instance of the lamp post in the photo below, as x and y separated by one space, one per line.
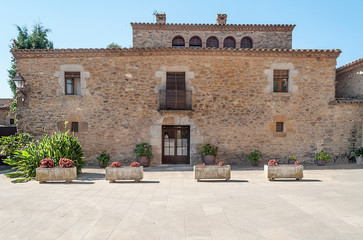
19 81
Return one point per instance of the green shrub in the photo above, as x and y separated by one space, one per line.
143 150
209 149
8 145
323 156
358 152
55 147
104 158
254 156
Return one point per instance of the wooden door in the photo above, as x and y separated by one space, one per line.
175 145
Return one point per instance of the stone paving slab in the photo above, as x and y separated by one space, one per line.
326 204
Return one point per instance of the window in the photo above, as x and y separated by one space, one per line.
246 42
212 42
279 126
195 42
74 127
12 121
72 83
229 42
178 42
175 91
281 78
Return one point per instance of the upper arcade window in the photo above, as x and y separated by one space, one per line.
246 42
178 42
212 42
195 42
229 42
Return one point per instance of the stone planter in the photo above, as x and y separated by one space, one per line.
283 171
56 174
359 160
212 172
209 159
124 173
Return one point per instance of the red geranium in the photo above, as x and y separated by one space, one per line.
135 164
65 163
297 163
115 165
201 165
220 164
47 163
272 162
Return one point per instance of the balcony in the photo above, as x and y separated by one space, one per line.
175 100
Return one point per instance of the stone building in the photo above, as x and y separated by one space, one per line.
241 87
6 120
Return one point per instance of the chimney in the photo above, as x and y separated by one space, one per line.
221 19
160 18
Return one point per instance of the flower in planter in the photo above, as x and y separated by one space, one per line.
135 164
297 163
47 163
65 163
115 165
201 165
272 163
220 164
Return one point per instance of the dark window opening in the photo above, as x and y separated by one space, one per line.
74 127
178 42
212 42
12 121
281 78
195 42
71 81
246 42
279 127
229 42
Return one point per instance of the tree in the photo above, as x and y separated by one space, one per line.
113 45
36 40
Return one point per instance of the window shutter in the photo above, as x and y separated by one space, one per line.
175 91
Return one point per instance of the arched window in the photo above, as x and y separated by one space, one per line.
178 42
246 42
229 42
212 42
195 42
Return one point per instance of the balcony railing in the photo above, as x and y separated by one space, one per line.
175 100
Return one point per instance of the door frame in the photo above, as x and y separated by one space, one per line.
162 143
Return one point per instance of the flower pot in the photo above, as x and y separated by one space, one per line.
320 162
359 160
144 161
209 159
290 161
255 164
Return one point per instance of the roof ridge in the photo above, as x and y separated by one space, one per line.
349 65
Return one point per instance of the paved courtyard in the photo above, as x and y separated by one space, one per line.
327 204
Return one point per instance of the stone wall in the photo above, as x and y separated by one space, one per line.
350 82
233 103
146 38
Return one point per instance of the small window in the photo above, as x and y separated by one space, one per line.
281 78
279 127
212 42
246 42
229 42
74 127
195 42
178 42
72 83
12 121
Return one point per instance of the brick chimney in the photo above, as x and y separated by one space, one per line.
161 18
221 19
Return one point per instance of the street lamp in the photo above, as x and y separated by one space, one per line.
19 81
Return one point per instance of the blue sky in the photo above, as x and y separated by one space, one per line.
320 24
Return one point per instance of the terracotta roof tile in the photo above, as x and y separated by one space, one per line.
349 66
5 103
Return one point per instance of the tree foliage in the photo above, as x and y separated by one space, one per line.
113 45
37 39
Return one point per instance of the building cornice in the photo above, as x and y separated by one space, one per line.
350 66
215 27
97 52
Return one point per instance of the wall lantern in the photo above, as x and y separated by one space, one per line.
19 81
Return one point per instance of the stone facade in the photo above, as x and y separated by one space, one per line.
6 120
349 80
161 35
233 105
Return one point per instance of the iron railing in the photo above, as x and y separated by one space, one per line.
175 100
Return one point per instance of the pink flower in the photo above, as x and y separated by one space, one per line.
135 164
115 165
272 163
220 164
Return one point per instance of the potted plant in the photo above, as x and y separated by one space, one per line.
116 172
254 157
292 160
103 159
322 157
144 152
219 171
65 172
358 153
209 153
273 170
